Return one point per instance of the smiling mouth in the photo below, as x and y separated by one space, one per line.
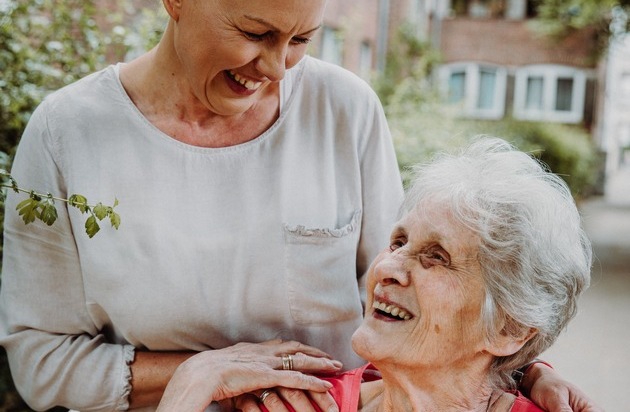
248 84
390 311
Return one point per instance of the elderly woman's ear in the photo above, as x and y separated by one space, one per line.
508 343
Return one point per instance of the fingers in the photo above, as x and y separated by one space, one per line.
278 346
299 400
291 379
272 401
277 399
247 403
325 401
307 363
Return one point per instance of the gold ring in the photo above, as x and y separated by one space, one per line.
287 362
264 395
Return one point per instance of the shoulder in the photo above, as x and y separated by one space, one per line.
84 105
323 78
84 94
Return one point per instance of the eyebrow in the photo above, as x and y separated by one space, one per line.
274 28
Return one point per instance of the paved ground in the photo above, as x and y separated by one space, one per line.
594 351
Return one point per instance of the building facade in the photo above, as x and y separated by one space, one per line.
496 65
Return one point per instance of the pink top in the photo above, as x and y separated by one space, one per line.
347 389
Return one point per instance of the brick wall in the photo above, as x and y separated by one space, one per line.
511 43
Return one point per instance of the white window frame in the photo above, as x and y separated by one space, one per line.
472 72
366 56
550 75
332 46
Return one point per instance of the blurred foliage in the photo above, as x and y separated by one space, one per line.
606 18
408 65
419 132
45 45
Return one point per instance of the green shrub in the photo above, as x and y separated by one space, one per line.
567 150
421 130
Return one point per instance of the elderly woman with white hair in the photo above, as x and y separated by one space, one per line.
482 273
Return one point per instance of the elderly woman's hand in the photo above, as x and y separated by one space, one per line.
299 400
554 394
216 375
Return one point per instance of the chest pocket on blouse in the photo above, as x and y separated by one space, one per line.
321 272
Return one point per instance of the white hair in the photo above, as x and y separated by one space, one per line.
534 255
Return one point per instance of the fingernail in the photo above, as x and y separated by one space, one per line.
333 409
337 364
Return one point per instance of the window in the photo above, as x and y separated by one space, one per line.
550 93
487 84
457 87
332 46
478 89
365 60
534 99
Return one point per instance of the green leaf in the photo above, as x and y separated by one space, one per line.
100 211
80 202
114 218
48 212
28 210
91 226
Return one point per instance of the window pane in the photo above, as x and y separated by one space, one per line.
534 98
332 46
456 87
365 60
487 83
564 94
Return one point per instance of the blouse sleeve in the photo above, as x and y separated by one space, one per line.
57 355
381 187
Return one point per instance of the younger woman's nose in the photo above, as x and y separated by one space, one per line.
272 62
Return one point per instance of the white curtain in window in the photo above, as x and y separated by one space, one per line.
487 84
332 46
456 87
534 96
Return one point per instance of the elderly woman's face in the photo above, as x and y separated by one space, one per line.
425 294
232 50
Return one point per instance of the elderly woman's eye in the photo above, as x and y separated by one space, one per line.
434 258
396 244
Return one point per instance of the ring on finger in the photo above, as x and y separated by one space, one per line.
287 362
265 394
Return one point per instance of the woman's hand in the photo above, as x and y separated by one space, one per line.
277 399
215 375
554 394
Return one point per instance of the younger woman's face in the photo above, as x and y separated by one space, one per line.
231 51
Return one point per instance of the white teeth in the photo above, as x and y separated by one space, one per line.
248 84
392 310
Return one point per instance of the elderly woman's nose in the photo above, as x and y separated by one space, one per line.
393 270
272 62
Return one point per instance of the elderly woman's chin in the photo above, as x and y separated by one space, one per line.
360 345
375 347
